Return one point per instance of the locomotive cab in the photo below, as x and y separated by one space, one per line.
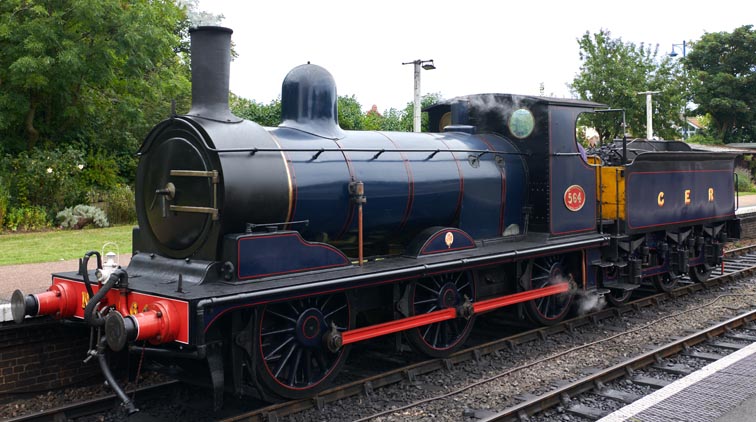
560 197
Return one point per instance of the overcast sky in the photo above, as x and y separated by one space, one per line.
478 46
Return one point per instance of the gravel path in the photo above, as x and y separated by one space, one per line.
35 278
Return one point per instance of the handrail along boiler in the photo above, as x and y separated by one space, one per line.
245 260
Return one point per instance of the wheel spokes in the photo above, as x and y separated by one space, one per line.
283 317
282 364
545 272
440 292
435 292
290 339
272 355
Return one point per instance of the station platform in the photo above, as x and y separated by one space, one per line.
724 390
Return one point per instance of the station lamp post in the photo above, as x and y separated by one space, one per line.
427 65
683 45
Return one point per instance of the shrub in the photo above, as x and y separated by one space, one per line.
101 171
51 178
80 216
745 181
27 219
703 139
4 200
120 205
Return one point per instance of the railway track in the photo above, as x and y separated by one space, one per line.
739 263
94 406
647 372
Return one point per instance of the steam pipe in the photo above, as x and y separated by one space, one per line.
90 316
85 272
125 401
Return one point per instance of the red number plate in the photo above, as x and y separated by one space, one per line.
574 198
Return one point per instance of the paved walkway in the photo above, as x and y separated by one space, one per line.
747 201
35 278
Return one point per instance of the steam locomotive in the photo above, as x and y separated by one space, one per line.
263 254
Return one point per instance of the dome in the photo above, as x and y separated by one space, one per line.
309 102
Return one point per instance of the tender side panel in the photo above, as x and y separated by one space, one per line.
678 197
679 188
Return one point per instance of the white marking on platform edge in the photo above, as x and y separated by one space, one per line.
746 210
679 385
5 312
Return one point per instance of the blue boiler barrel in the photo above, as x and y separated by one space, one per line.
406 191
412 180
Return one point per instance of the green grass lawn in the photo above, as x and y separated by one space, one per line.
746 193
25 248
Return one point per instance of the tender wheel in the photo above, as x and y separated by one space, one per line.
294 362
700 273
434 293
664 282
552 309
615 297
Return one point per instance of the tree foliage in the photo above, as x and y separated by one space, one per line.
264 114
723 70
350 113
351 116
93 73
613 72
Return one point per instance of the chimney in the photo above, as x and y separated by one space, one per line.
211 65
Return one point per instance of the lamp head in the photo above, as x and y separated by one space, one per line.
428 65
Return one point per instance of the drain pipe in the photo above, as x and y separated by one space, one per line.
357 192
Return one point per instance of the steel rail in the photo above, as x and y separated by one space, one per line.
87 407
555 397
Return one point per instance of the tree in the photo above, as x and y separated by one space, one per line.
76 71
264 114
426 101
350 113
614 72
722 66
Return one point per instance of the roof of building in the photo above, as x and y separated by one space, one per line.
693 121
